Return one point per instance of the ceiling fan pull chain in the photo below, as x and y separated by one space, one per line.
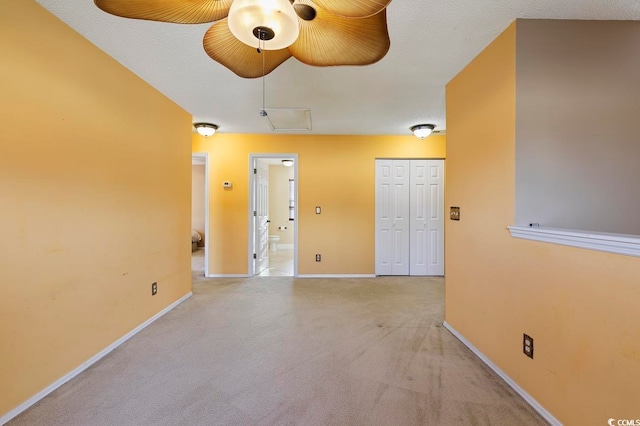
263 112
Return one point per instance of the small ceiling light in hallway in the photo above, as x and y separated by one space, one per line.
205 129
422 130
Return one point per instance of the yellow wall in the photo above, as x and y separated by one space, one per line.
94 182
581 307
334 172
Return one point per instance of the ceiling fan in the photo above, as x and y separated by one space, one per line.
319 32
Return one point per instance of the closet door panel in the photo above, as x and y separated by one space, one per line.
401 223
392 225
435 222
384 218
419 212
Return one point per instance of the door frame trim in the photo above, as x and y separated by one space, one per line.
253 158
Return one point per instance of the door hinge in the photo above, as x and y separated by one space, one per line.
255 171
254 256
255 213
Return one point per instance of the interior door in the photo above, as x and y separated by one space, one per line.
419 218
261 215
392 220
426 249
435 219
409 217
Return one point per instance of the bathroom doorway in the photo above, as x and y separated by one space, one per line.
272 215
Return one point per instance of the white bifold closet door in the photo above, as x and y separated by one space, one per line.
409 217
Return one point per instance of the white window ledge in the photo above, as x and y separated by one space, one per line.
626 244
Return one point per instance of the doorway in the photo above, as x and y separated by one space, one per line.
200 214
273 230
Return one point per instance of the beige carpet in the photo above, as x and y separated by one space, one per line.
284 351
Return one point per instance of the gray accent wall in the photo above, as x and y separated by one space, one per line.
578 125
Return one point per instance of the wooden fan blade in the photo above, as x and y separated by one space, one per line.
176 11
328 40
353 8
245 61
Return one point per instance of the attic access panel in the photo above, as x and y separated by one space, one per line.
289 118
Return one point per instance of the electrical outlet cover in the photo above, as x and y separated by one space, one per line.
527 345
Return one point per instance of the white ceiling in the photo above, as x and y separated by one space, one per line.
431 41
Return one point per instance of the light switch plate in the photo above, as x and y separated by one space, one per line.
455 213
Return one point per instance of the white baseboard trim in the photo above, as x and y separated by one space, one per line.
336 276
228 276
528 398
61 381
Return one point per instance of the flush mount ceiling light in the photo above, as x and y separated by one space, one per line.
319 32
287 163
422 130
205 129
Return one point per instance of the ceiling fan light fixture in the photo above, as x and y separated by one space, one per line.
205 129
268 25
287 163
422 130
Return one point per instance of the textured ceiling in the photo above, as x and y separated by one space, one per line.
431 41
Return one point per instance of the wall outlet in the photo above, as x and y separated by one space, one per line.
527 345
318 258
154 289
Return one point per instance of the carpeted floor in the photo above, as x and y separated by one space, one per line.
285 351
